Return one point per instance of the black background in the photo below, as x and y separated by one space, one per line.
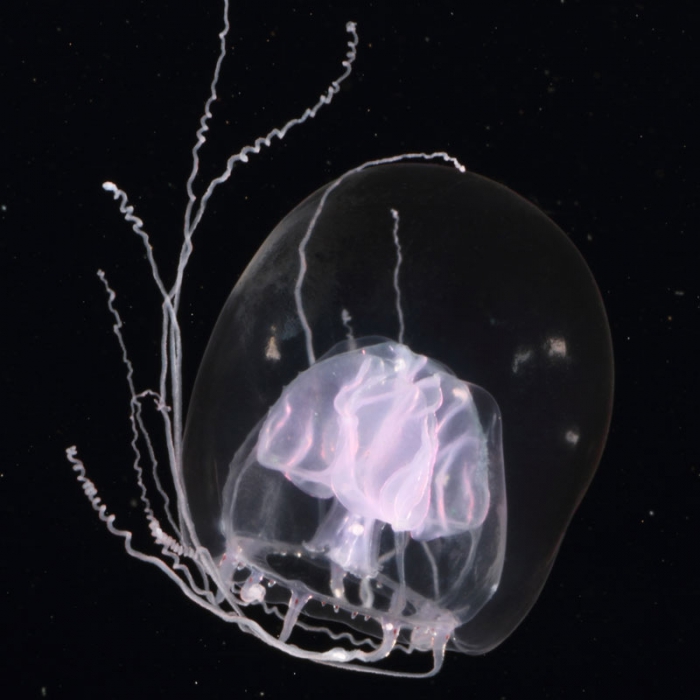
588 109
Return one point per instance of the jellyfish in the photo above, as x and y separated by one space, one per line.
401 405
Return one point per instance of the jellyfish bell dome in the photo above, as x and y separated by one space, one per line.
401 405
